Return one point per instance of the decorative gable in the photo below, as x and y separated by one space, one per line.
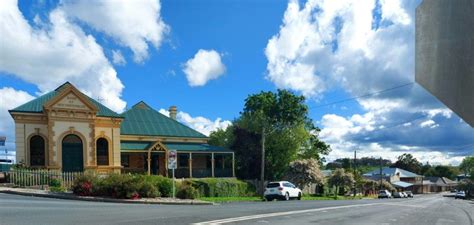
71 101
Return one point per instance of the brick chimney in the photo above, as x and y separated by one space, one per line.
173 111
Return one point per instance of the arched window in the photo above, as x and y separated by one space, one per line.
102 152
37 153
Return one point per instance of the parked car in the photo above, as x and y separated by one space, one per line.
405 195
384 194
409 194
281 190
460 194
454 191
398 195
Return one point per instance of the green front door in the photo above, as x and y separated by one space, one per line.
72 154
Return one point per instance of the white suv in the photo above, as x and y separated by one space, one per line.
384 194
281 190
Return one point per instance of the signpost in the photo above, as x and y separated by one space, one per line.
172 164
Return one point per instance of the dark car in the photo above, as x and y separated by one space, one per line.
409 194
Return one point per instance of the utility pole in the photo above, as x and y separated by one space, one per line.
262 166
355 171
380 173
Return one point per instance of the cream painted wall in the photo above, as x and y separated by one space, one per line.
20 142
60 127
25 131
112 134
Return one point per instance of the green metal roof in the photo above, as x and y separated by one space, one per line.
36 105
141 119
135 145
195 147
191 147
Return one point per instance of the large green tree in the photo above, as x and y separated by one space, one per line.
467 166
408 162
442 171
282 118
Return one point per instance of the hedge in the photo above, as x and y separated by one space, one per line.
136 186
221 187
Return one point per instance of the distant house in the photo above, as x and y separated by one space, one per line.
441 184
462 176
407 181
68 131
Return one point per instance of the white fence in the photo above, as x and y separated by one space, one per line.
30 177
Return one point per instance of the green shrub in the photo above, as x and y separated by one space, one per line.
57 189
148 190
83 184
221 187
55 182
119 186
164 184
187 192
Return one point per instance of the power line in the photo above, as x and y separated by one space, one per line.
363 96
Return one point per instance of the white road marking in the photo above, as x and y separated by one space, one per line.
395 204
261 216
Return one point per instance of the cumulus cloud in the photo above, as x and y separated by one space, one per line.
199 123
204 66
50 55
135 24
364 47
117 58
9 99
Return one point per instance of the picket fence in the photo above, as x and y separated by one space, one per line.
39 177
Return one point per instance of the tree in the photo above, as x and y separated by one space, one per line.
304 172
315 148
340 178
246 148
408 162
281 120
442 171
467 166
222 137
371 186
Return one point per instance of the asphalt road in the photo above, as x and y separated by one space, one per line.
422 210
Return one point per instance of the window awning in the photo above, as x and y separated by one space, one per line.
401 184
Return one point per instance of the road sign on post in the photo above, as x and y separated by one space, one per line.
172 164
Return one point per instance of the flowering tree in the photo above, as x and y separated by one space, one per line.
304 172
341 179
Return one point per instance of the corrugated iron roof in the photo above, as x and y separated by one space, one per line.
141 119
36 105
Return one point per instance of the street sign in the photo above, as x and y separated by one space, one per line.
172 159
172 164
2 140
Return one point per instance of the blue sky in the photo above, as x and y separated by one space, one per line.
206 57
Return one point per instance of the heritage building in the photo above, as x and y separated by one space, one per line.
67 130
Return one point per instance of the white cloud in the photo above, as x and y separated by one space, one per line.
199 123
133 24
347 44
204 66
9 99
61 51
117 58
